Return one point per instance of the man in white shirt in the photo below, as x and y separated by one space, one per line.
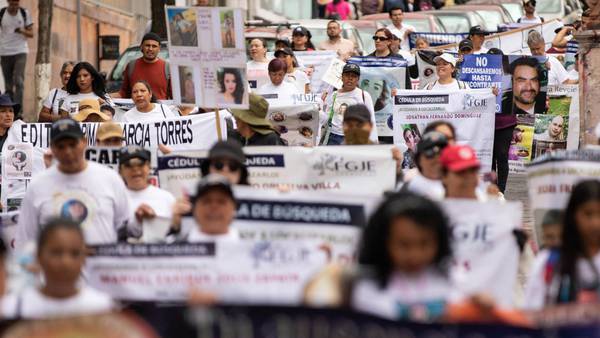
530 17
557 74
398 29
344 47
337 104
85 192
15 29
151 207
477 36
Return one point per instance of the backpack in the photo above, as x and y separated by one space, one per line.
131 66
23 14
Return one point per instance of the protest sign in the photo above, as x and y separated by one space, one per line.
516 94
436 39
333 74
486 254
178 172
107 156
17 161
427 72
471 112
331 223
185 132
236 271
564 101
315 65
572 50
298 124
344 169
378 77
551 177
483 71
520 150
207 53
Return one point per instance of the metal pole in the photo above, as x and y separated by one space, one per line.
79 56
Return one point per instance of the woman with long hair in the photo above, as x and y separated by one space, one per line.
84 83
301 40
383 40
570 274
50 111
232 86
146 106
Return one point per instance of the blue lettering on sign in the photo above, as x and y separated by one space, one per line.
260 160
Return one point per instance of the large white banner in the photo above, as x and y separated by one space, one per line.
344 169
471 112
486 254
207 53
551 177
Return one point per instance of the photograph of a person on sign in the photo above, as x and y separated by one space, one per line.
231 85
182 27
227 29
186 84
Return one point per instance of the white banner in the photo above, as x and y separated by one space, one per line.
179 172
486 253
471 112
551 177
207 53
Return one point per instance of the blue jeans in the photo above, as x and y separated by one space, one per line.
335 139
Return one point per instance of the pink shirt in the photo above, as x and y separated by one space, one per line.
342 9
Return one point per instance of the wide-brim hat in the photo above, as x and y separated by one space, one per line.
256 114
88 107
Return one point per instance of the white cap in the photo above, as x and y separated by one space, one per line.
446 57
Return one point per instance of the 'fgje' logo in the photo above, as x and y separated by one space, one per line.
269 253
335 164
469 101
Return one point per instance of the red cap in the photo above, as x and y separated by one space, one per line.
459 158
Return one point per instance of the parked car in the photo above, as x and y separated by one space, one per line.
456 20
318 29
513 7
567 10
114 79
422 22
493 15
366 30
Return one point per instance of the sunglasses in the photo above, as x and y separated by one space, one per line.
219 165
433 152
379 38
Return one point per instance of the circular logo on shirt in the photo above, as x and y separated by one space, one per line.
74 210
19 160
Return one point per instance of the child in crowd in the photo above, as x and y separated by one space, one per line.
552 229
61 254
570 274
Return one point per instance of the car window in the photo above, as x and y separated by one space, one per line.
438 25
549 6
514 10
367 40
422 25
492 19
132 54
455 24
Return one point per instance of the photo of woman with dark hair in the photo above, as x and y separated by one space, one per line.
231 85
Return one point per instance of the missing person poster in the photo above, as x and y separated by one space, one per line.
207 55
298 125
550 180
471 112
379 77
426 66
520 151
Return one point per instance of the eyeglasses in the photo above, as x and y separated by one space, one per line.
433 152
379 38
219 165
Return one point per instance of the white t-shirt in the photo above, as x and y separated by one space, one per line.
404 45
537 289
32 304
557 74
573 74
525 19
299 79
258 74
279 95
71 101
12 43
482 50
433 189
420 297
449 87
342 102
160 112
257 65
196 236
96 196
161 201
53 100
